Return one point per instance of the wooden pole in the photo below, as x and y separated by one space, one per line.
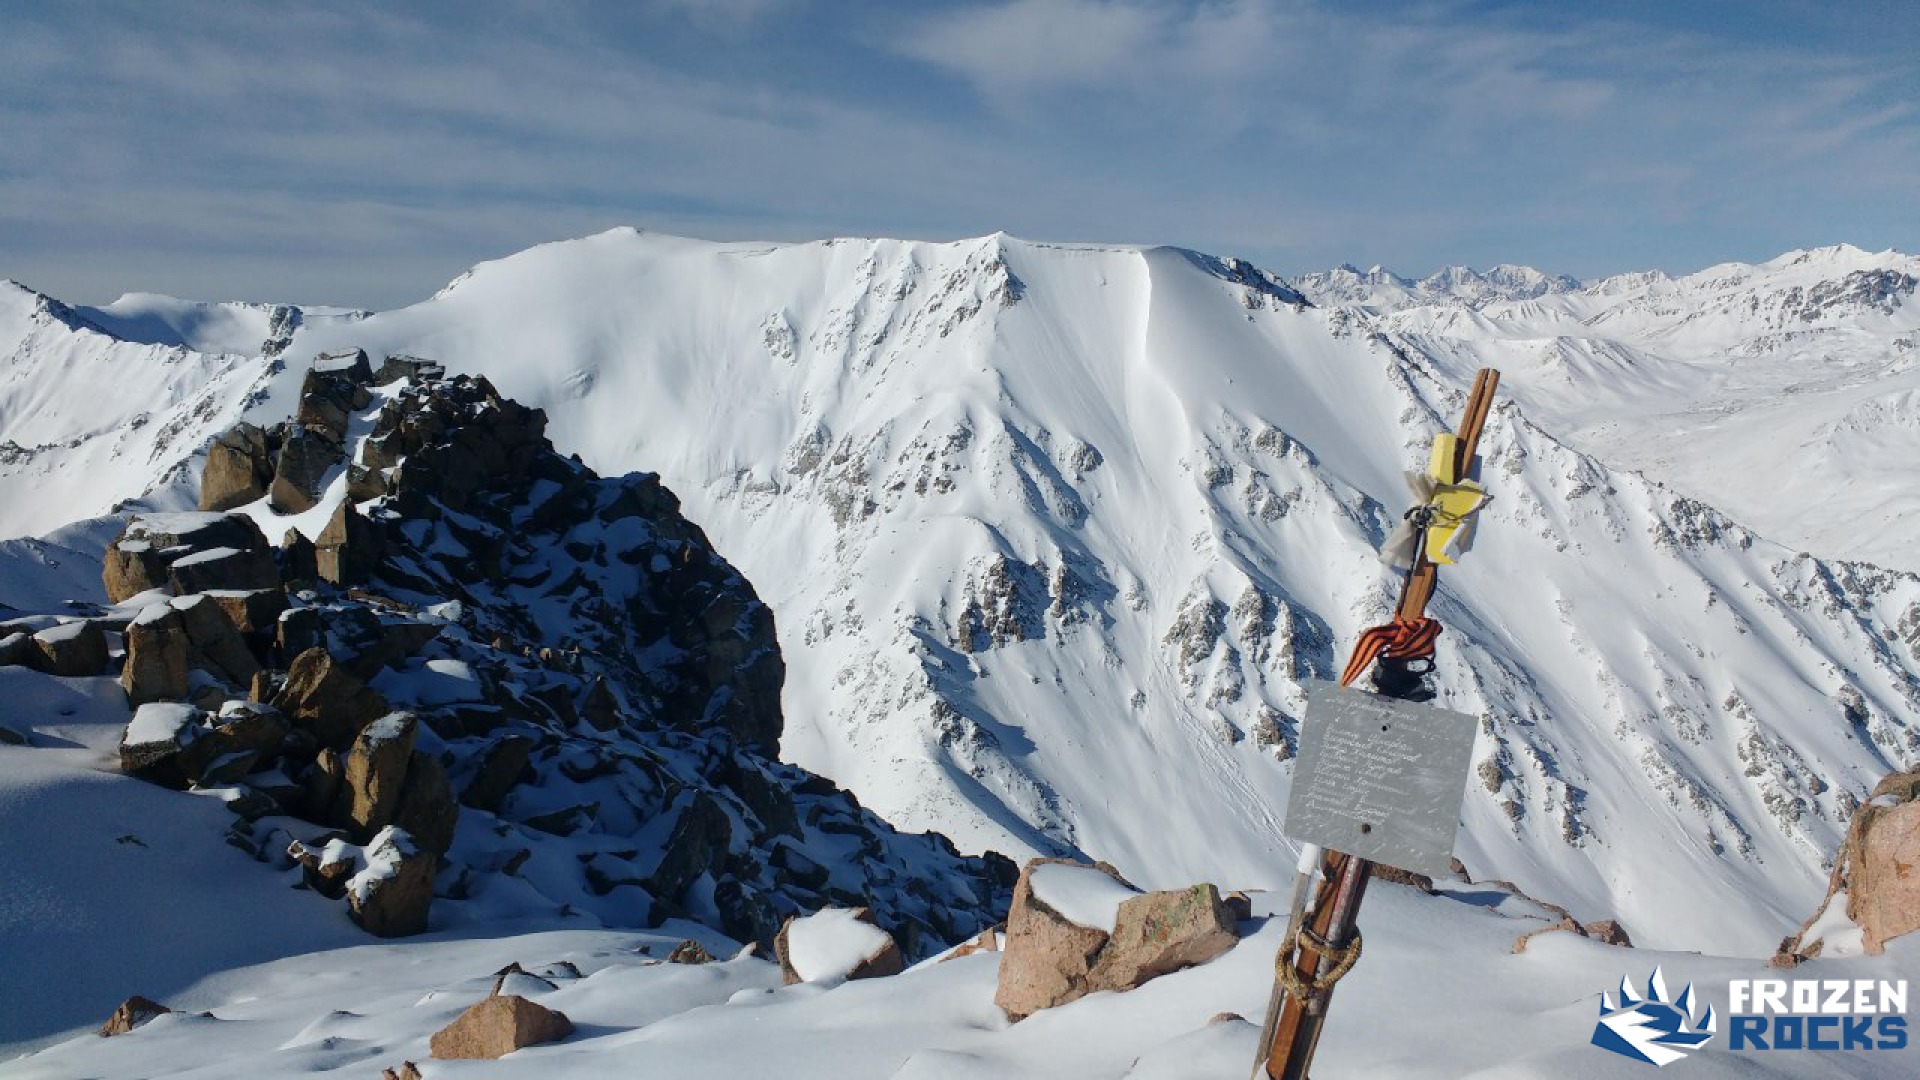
1336 909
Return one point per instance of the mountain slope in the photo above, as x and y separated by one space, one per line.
1052 534
1782 392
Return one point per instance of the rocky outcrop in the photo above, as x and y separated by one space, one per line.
496 643
1054 954
499 1025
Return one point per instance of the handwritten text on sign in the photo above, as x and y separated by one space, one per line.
1380 779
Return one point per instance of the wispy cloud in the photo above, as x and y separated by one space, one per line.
357 155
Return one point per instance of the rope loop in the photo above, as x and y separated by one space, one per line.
1343 957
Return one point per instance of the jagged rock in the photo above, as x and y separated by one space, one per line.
376 769
300 473
155 738
500 767
323 697
349 549
498 1026
835 943
157 648
70 650
223 568
1412 880
599 707
239 468
407 1070
333 389
1161 932
427 809
690 952
131 1014
698 841
391 896
1048 957
214 644
1565 925
396 368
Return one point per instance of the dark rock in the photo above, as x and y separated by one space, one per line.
364 484
252 612
243 734
349 549
327 700
698 841
153 745
689 952
70 650
157 648
299 562
214 645
223 568
376 770
427 809
300 474
501 765
17 649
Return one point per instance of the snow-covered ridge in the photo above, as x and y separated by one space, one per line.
1051 529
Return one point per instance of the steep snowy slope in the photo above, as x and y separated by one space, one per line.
1053 533
1783 392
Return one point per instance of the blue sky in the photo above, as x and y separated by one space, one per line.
360 156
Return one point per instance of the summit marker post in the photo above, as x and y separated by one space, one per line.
1401 796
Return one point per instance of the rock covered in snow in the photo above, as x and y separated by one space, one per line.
74 648
834 945
132 1013
391 892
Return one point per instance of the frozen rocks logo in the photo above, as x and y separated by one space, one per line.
1762 1014
1652 1029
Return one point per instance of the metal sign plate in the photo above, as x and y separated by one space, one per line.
1380 779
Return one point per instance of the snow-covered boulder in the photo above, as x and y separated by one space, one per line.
1161 932
70 649
498 1026
239 468
323 697
158 734
391 893
132 1013
835 944
156 667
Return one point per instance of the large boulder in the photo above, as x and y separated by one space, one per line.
391 895
835 944
1873 876
698 841
242 569
157 652
501 764
141 557
243 735
1077 929
427 807
71 649
1048 954
156 740
214 643
376 769
322 697
497 1026
349 548
239 468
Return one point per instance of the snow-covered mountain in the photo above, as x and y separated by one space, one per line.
1380 290
1784 392
1053 533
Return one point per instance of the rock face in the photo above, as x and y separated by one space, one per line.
498 643
498 1026
1050 959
